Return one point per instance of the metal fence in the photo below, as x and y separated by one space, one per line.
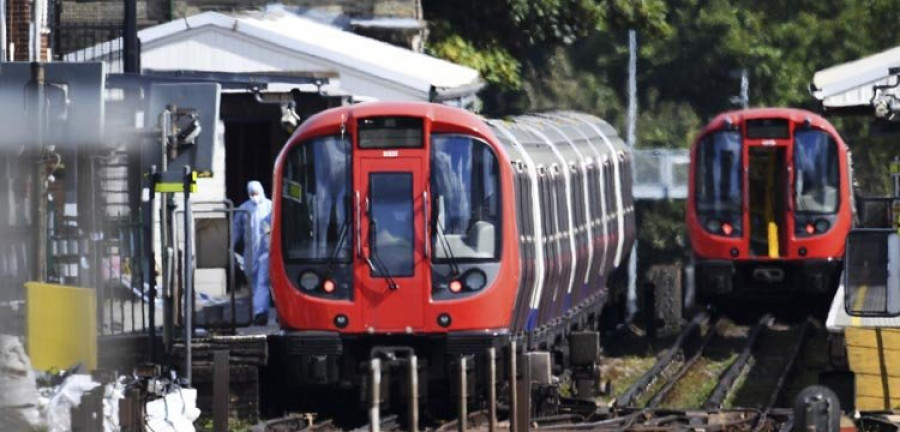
82 42
661 174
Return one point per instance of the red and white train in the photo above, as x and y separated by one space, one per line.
769 203
428 228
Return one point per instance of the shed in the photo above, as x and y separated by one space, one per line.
281 41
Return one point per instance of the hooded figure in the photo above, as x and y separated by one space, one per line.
249 229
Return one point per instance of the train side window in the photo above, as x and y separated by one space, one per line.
593 193
518 191
609 189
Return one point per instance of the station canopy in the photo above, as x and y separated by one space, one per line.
281 41
851 86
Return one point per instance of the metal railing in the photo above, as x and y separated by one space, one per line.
88 42
213 217
661 174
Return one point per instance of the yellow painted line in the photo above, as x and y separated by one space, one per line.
858 304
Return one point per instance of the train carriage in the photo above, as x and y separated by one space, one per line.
769 203
423 228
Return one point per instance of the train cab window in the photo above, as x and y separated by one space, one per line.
817 178
316 194
465 189
391 215
718 177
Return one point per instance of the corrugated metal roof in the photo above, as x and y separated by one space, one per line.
348 53
850 84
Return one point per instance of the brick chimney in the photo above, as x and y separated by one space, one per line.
18 15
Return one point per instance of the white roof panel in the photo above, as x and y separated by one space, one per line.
850 84
330 47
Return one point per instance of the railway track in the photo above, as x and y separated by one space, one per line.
716 375
715 365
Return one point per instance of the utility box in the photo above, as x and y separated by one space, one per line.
62 326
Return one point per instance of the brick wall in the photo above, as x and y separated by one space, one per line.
18 14
77 13
156 11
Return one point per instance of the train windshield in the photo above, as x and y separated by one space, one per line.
315 212
816 165
465 191
718 177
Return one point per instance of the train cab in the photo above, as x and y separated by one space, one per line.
769 203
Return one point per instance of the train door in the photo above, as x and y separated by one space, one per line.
393 272
768 196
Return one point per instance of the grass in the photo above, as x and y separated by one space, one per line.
234 425
624 371
696 385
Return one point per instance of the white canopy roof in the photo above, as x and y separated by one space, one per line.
281 41
850 84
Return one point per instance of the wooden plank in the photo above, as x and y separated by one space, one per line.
876 385
873 361
868 338
868 403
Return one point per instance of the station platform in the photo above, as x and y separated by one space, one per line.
870 299
872 348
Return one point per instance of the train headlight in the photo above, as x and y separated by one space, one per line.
455 286
713 226
474 280
328 286
309 280
727 228
822 225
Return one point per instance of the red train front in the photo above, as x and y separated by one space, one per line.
384 183
769 203
389 280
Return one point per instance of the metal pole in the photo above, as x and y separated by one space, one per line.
150 277
188 307
745 89
40 175
463 397
632 140
131 59
3 30
374 395
513 398
413 393
492 389
165 238
231 283
632 87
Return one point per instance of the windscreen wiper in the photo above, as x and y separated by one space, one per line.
332 259
381 268
445 244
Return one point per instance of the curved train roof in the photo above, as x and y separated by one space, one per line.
553 138
795 115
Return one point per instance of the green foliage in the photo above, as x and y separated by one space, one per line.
546 54
496 65
661 233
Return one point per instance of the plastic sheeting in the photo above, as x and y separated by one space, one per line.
175 412
67 396
19 396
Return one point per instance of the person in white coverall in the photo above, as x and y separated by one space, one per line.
248 228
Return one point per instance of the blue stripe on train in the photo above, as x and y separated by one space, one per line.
531 322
